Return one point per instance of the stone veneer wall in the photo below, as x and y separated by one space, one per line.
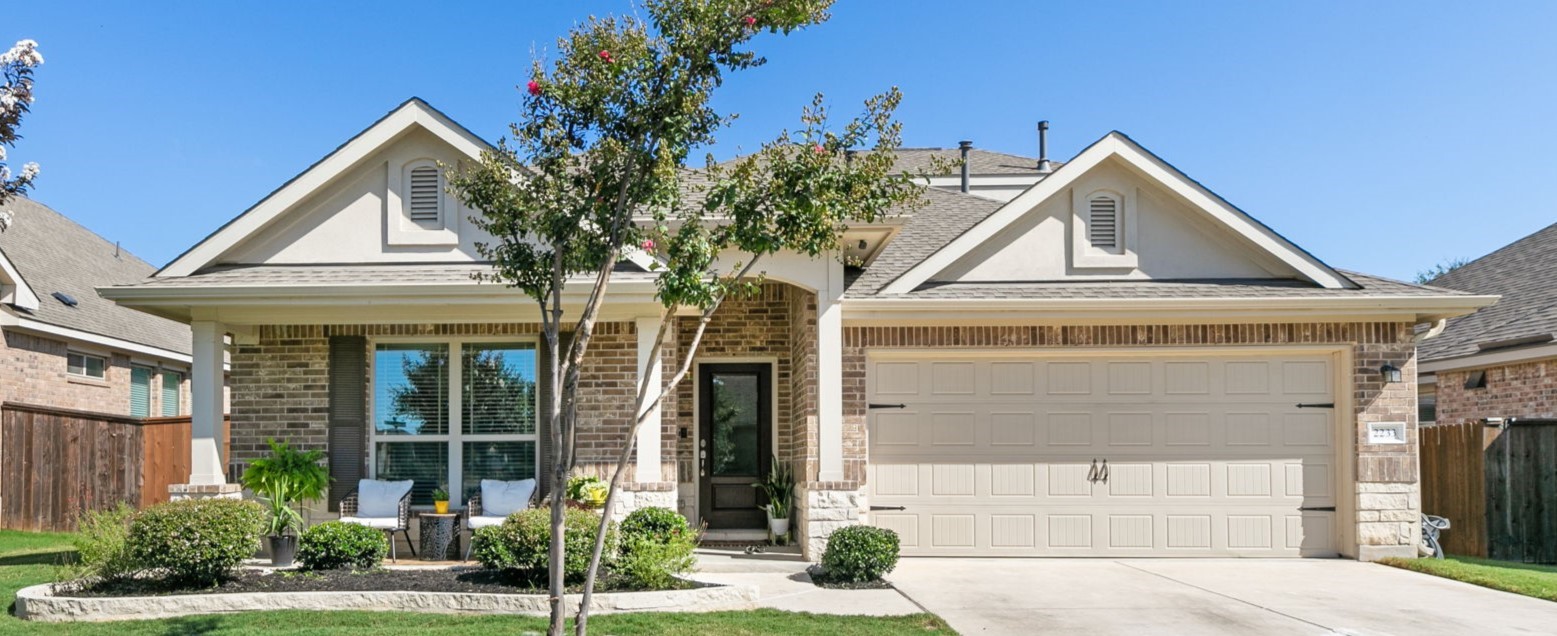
280 388
1527 389
1388 499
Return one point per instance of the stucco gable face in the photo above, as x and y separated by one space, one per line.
365 215
1150 233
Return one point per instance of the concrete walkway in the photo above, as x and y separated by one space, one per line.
783 584
1209 596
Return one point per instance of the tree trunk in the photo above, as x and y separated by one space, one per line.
554 565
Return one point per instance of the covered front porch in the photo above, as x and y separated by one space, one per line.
443 384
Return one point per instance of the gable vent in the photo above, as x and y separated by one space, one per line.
424 194
1103 222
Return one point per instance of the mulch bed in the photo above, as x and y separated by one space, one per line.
440 580
820 578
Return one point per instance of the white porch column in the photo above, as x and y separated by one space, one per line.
648 441
829 373
207 466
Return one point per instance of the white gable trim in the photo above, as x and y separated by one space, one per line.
13 288
1116 144
412 113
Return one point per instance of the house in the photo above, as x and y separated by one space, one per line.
1113 361
63 346
1500 362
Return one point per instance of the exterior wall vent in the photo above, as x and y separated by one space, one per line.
1103 222
425 195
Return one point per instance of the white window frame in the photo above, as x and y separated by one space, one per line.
84 374
456 437
1122 254
401 230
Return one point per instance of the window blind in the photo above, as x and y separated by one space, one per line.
172 381
140 392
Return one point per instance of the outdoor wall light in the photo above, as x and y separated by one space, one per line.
1390 372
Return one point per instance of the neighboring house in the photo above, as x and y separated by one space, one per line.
1500 362
1114 361
61 345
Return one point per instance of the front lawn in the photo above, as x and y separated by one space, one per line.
31 558
1539 581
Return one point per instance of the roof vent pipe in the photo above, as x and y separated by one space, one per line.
1044 167
965 147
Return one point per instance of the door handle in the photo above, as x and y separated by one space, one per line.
1104 473
1092 472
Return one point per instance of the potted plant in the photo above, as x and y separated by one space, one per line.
285 479
441 500
779 486
588 491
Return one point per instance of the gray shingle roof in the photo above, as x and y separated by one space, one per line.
1524 273
342 275
1371 286
946 216
55 254
980 161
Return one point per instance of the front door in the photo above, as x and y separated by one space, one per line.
735 429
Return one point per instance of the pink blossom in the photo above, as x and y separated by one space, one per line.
606 55
751 21
820 150
648 245
534 87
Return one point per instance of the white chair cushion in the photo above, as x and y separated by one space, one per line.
380 498
384 523
476 523
503 498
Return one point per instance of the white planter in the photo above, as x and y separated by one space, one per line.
779 527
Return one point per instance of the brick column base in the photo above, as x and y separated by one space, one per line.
178 492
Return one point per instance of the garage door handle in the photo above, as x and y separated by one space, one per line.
1104 474
1092 472
875 508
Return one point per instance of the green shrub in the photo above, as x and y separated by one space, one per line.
860 553
103 546
334 545
657 544
197 541
519 544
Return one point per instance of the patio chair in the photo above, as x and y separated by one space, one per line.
382 505
493 502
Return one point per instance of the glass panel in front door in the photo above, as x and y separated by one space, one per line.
735 425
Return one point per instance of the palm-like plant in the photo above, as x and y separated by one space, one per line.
779 486
284 479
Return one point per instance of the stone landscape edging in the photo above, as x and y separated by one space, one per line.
39 603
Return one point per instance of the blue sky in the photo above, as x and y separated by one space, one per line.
1381 136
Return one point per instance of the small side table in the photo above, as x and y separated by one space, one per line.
440 536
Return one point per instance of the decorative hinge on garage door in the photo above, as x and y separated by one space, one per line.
875 508
1319 509
874 405
1317 405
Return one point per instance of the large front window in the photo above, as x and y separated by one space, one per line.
450 424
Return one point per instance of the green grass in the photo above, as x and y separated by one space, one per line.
32 558
1539 581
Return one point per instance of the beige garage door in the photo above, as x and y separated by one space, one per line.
1127 455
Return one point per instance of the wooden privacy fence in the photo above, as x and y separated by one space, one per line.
1497 485
57 463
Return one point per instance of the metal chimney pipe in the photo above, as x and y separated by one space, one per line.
965 147
1044 167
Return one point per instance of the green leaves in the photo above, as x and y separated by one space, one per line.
284 479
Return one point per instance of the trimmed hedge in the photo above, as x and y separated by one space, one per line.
334 545
197 541
657 545
519 544
858 554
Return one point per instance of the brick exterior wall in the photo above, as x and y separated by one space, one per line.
280 384
1526 389
32 371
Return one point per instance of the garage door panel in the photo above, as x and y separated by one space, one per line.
1206 457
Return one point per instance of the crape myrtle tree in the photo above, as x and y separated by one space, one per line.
16 66
596 171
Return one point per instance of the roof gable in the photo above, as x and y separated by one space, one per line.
1262 244
1524 273
411 116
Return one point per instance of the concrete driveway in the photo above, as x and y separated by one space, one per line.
1209 596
